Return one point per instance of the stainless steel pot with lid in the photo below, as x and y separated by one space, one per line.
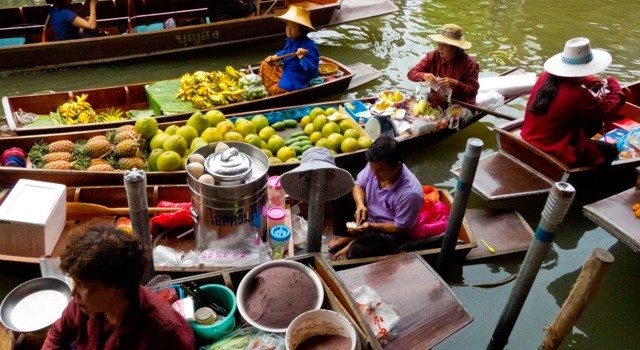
231 209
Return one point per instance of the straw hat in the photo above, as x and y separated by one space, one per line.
451 34
298 15
297 182
578 60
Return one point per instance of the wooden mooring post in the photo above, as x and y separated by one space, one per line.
582 293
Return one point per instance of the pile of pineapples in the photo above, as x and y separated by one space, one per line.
119 149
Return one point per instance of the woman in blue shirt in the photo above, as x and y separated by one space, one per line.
68 25
296 70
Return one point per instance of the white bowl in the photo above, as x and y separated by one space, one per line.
246 285
319 323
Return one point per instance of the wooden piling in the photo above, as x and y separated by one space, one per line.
582 293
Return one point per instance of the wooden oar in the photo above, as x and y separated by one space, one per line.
78 210
278 58
478 109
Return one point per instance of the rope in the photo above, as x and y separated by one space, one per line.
25 117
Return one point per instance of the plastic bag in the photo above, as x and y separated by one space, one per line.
176 219
248 338
381 315
253 252
433 217
629 144
489 100
299 228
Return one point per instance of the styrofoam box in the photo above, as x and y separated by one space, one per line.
32 218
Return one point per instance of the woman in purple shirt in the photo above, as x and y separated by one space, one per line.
68 25
388 199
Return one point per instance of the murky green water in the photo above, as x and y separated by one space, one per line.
504 34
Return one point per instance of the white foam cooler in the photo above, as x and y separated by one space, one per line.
32 218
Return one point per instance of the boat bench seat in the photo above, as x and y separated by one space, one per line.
534 157
12 41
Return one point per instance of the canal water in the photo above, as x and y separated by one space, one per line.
505 34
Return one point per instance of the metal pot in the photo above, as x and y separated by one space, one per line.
231 209
35 304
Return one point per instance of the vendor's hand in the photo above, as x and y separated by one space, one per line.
270 58
361 215
301 52
430 78
358 230
447 83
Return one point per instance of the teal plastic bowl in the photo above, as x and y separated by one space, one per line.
222 296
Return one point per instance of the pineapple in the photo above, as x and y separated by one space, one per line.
101 167
61 146
98 161
128 163
54 156
127 148
58 165
97 147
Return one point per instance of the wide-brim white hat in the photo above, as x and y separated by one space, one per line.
451 34
578 60
297 182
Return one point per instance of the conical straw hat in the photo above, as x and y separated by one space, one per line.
298 15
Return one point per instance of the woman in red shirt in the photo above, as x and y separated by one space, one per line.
449 67
568 106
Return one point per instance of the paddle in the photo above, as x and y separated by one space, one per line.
478 109
78 210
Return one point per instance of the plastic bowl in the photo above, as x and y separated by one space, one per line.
319 323
397 104
248 281
223 296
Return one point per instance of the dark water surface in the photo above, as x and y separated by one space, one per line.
504 34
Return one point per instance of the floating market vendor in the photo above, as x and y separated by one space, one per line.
297 70
449 68
568 106
388 199
109 308
68 25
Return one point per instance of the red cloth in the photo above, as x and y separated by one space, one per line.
150 323
433 218
565 130
176 219
462 67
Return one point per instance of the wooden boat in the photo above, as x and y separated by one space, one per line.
136 28
352 161
138 96
116 197
616 216
519 169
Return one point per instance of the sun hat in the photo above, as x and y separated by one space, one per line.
451 34
298 15
297 182
578 60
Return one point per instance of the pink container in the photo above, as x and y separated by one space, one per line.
275 193
275 216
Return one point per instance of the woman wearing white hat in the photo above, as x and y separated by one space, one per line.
296 71
568 106
448 66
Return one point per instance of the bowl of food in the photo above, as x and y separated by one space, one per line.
271 295
215 326
321 329
327 69
394 96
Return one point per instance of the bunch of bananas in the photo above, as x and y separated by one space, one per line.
76 112
208 89
112 115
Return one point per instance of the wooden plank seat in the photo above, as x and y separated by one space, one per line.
534 157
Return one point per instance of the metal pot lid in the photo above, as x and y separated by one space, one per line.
230 165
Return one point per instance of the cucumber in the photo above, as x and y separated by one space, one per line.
303 137
297 149
298 133
304 143
290 123
305 148
278 126
291 141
